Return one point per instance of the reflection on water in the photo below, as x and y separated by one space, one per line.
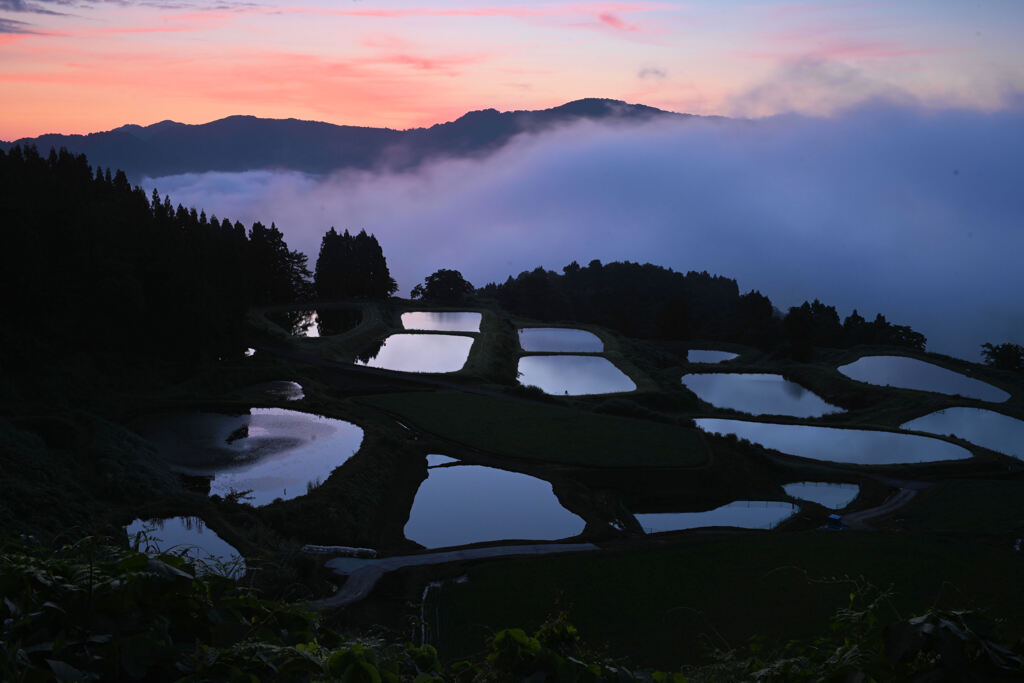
298 323
709 356
857 446
421 353
824 493
442 321
321 322
332 321
279 389
983 427
910 373
757 394
559 340
463 504
746 514
573 375
276 453
189 536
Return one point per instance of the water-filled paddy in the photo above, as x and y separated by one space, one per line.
573 375
188 535
709 356
910 373
757 394
824 493
435 459
280 390
463 504
276 453
559 340
746 514
983 427
442 321
422 353
856 446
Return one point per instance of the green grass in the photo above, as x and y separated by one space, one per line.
542 432
969 506
662 607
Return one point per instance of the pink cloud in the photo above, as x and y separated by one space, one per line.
609 19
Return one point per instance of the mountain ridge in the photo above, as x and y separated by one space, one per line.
244 142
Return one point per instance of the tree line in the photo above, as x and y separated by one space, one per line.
649 301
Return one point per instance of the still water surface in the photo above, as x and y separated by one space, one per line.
559 340
279 389
757 394
442 321
188 535
272 451
746 514
911 373
573 375
828 494
709 356
986 428
856 446
463 504
422 353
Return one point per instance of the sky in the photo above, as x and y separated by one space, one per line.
78 66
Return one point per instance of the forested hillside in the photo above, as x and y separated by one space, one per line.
97 275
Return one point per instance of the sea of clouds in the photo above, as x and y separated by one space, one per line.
911 211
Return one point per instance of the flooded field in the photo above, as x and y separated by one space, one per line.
189 536
757 394
559 340
857 446
986 428
573 375
745 514
271 452
422 353
442 321
460 504
709 356
827 494
910 373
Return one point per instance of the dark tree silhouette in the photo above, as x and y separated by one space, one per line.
1003 356
106 285
276 273
352 266
444 286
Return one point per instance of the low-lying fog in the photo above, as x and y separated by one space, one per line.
917 213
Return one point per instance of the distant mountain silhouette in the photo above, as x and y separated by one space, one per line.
241 143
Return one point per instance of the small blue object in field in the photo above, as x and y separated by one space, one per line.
835 523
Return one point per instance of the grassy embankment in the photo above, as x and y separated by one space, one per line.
534 431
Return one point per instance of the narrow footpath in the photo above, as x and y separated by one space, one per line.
906 490
363 574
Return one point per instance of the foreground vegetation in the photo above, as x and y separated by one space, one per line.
96 612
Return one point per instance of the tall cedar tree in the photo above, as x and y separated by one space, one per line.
352 267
